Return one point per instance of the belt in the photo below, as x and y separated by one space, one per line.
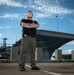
25 35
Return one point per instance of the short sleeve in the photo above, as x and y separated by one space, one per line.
35 22
23 20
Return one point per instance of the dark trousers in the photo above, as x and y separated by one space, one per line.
27 43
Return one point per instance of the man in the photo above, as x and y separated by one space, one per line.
28 41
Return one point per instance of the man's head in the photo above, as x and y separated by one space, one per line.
29 14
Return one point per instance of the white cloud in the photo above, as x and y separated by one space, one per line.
41 15
70 43
11 16
11 3
19 16
51 8
1 35
1 27
7 26
67 51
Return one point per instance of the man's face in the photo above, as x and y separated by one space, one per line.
29 14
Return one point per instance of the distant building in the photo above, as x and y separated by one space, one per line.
65 57
5 52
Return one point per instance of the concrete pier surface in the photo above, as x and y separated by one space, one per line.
47 68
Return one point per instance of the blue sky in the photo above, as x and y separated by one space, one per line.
44 11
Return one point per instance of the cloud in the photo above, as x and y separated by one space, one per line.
11 3
41 15
11 16
18 16
7 26
1 35
48 8
1 27
52 8
70 43
67 51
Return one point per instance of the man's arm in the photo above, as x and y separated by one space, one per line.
35 25
29 25
26 25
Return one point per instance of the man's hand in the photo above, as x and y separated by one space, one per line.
29 25
34 25
26 25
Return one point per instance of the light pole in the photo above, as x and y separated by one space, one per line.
57 23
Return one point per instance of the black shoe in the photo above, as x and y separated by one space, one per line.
22 69
35 68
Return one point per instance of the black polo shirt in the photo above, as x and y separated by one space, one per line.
29 31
